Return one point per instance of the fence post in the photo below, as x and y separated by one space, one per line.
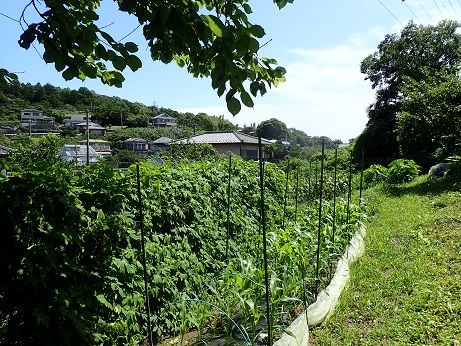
362 163
228 205
143 253
263 224
317 267
335 181
296 194
349 192
287 175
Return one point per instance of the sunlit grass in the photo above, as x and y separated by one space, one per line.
406 289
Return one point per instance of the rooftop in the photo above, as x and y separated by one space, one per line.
223 137
162 140
135 140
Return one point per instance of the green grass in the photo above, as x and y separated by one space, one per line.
406 289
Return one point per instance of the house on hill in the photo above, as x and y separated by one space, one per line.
35 118
93 128
161 143
241 144
71 120
137 145
102 147
164 120
77 154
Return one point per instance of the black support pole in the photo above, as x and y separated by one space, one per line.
362 163
143 253
335 181
228 205
349 193
287 176
296 194
317 267
263 224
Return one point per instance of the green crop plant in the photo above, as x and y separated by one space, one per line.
82 227
402 171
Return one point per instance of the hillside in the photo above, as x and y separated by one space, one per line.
57 102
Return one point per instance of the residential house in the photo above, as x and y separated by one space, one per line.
71 120
78 154
102 147
161 143
226 142
35 118
138 145
93 128
164 120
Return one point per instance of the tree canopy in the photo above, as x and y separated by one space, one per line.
211 38
417 54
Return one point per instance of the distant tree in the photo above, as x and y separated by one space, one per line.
273 129
418 52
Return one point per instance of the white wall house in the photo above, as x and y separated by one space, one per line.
71 120
35 117
164 120
77 154
100 146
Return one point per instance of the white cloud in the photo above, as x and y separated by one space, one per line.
325 93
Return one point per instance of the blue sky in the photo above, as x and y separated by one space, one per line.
321 43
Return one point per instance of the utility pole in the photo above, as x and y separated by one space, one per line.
30 127
121 119
87 138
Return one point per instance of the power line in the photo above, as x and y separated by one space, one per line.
438 7
456 13
424 9
132 31
7 16
388 10
414 14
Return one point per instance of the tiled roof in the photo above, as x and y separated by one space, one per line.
223 137
162 140
135 140
163 116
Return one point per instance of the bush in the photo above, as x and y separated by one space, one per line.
402 171
374 174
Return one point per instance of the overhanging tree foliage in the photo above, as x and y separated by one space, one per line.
429 126
211 38
417 53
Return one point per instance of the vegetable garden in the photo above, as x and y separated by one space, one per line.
76 247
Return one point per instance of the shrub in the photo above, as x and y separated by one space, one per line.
374 174
402 171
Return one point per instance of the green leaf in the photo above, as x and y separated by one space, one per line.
49 56
233 105
133 62
215 24
254 45
70 73
257 31
247 8
101 52
131 47
246 99
119 63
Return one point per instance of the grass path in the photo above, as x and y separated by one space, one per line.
406 289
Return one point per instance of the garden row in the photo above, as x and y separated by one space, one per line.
70 248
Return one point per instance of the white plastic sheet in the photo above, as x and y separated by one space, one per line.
316 313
